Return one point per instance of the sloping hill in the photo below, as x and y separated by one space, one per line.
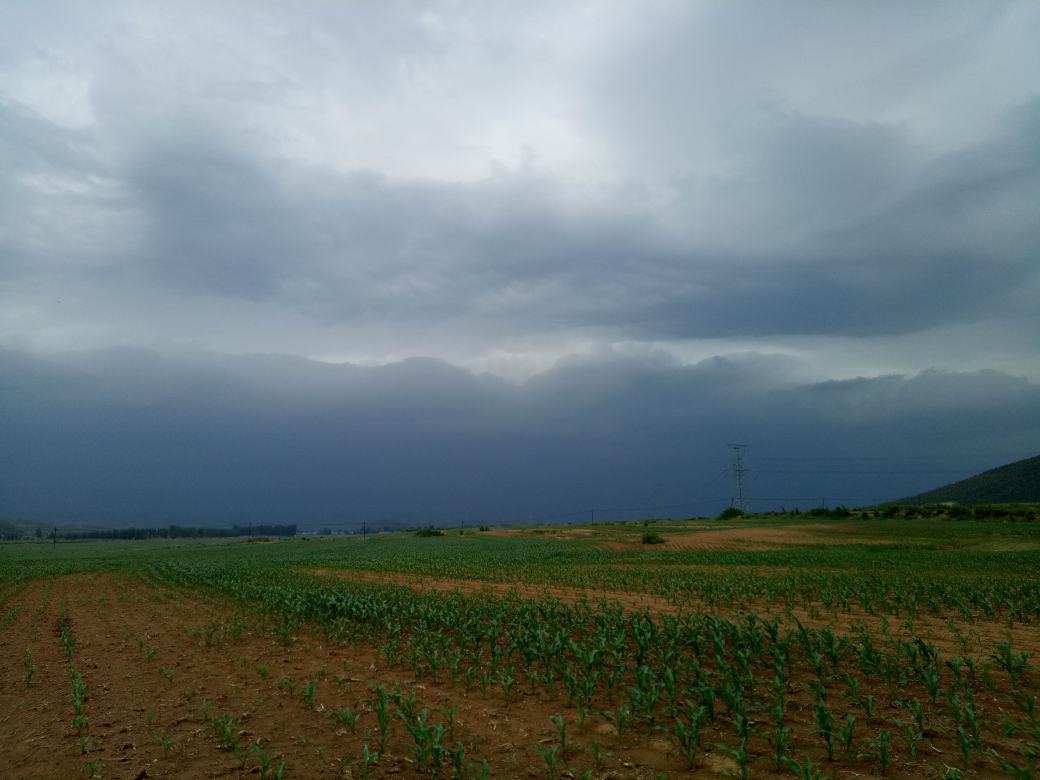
1015 482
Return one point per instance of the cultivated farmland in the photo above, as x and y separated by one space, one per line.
774 647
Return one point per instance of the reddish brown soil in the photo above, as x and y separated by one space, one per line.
746 539
118 624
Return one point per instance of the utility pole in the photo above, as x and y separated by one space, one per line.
55 537
740 499
593 513
364 532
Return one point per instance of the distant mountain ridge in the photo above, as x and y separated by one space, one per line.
1017 482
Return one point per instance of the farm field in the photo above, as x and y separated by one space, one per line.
776 646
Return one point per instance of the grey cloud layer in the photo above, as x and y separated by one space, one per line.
127 436
763 215
861 256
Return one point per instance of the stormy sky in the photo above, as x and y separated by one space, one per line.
328 263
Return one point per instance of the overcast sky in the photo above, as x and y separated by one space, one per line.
338 261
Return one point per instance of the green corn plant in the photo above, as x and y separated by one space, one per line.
506 680
1015 664
344 716
458 759
561 732
847 737
882 752
779 737
163 740
804 771
910 735
307 697
225 729
266 761
30 667
1014 770
825 726
964 742
554 763
742 725
449 718
598 755
428 741
366 763
688 737
622 720
931 680
868 707
380 704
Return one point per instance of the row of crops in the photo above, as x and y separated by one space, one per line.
736 666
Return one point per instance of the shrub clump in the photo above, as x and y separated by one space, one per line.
652 537
729 512
428 532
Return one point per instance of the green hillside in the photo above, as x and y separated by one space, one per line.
1016 482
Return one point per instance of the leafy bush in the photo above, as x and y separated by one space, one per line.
652 537
484 528
732 511
428 532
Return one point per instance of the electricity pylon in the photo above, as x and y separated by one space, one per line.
740 498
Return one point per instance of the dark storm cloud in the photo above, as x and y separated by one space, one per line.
738 188
127 436
873 249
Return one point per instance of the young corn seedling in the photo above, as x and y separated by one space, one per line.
804 771
1014 770
163 740
779 737
739 753
307 697
347 717
1015 664
381 706
225 729
506 680
622 721
561 731
428 747
449 717
458 759
689 738
910 734
598 755
825 726
847 737
882 752
267 763
554 763
30 667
